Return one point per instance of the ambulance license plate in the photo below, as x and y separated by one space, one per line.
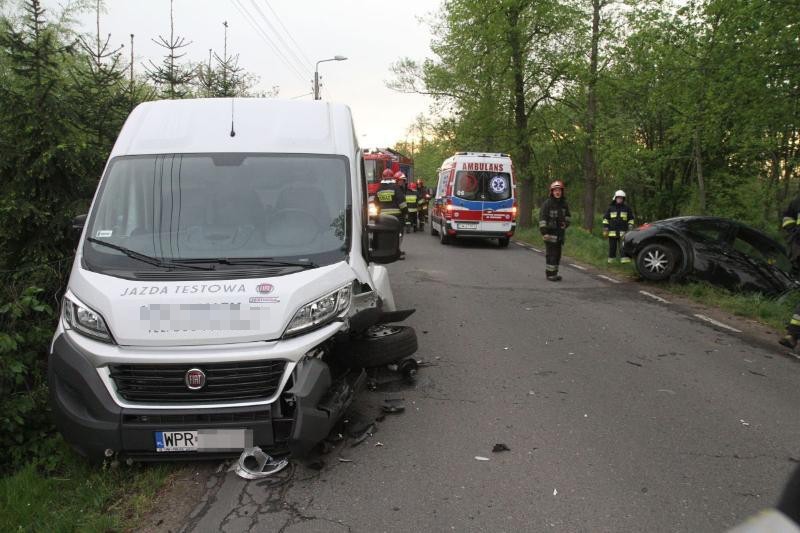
203 440
467 225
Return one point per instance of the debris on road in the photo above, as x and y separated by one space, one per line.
343 460
634 364
361 437
668 391
393 405
555 492
480 458
744 423
378 444
500 447
255 464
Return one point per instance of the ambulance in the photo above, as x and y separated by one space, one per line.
475 198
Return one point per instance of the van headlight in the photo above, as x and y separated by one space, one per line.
321 311
85 321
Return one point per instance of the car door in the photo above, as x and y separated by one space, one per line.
708 240
498 201
761 263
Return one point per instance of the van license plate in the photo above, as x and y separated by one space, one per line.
203 440
467 225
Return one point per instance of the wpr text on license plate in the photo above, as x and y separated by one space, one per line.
203 440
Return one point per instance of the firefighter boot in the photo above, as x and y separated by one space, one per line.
788 340
553 276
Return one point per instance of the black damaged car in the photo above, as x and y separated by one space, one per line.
717 250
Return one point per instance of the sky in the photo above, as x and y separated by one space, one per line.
372 34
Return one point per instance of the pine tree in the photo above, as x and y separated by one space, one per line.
171 77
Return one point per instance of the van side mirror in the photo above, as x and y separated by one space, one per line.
385 239
78 223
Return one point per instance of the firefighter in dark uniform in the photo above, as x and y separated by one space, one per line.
390 197
554 218
422 203
411 202
617 221
791 225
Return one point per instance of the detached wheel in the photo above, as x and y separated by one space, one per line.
656 262
503 242
380 345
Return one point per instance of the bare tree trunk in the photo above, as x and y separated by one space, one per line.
589 155
698 162
523 155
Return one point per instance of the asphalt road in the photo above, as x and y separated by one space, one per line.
621 413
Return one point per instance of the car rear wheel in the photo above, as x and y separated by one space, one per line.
656 262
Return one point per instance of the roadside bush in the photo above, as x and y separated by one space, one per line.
26 326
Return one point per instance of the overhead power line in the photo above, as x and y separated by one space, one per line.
265 37
286 47
289 34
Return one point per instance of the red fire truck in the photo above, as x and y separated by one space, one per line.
377 160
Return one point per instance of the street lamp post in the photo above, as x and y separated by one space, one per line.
316 73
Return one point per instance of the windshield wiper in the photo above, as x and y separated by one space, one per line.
256 261
146 258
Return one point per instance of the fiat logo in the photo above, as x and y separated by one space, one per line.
195 379
265 288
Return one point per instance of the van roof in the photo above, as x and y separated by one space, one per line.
203 125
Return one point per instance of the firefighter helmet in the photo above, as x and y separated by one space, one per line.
399 176
412 187
388 173
558 184
618 194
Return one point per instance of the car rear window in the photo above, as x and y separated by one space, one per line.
486 186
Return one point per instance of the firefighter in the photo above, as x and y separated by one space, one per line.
791 225
554 218
422 202
400 180
617 221
411 201
390 197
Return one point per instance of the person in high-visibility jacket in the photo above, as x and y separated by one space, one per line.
791 225
390 197
422 202
411 202
617 221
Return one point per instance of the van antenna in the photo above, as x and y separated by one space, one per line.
233 131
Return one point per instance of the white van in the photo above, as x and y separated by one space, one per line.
475 198
224 292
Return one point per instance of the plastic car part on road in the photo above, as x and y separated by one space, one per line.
255 464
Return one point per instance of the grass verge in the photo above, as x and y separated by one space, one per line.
64 493
593 250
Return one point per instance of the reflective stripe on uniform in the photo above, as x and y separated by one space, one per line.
390 211
403 205
605 221
624 215
542 224
613 214
625 260
612 259
612 233
795 321
412 209
787 221
551 268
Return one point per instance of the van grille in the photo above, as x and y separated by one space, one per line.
225 382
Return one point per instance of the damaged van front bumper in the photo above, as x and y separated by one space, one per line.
112 409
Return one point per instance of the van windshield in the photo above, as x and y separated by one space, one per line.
196 207
483 186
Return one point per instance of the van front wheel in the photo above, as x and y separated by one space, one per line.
379 345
